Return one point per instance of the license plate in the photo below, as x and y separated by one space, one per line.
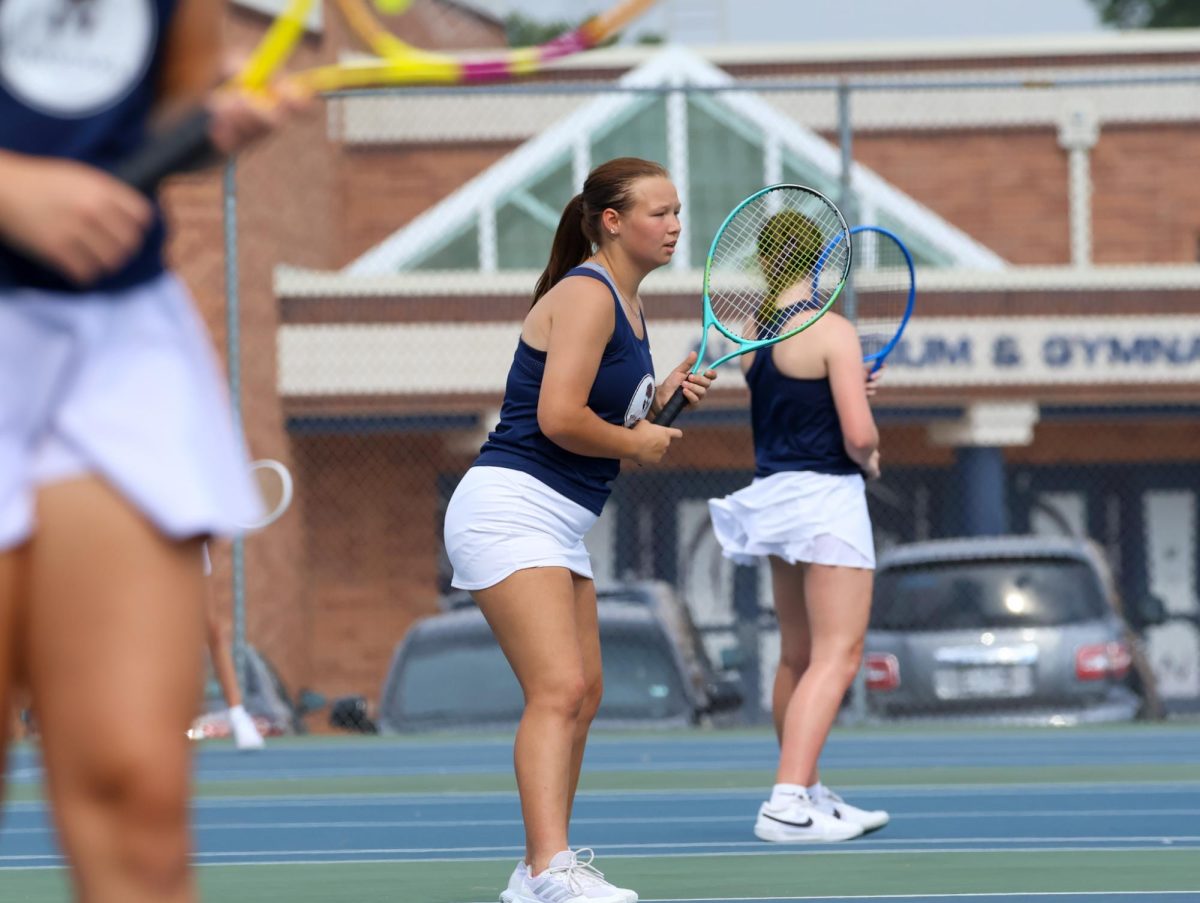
984 682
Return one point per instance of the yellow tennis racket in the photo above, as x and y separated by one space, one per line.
395 62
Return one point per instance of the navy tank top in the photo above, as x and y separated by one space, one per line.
794 422
621 394
78 80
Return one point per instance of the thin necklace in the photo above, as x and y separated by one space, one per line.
634 313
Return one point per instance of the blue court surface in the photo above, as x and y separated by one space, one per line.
1097 813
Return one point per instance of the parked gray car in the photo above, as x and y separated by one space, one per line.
1016 628
448 672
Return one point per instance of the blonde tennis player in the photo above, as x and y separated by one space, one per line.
806 511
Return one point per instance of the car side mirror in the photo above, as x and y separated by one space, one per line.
723 696
310 701
1150 612
349 713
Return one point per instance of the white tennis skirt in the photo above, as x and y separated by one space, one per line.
797 516
127 387
500 521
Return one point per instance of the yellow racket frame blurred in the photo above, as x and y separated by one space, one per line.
397 62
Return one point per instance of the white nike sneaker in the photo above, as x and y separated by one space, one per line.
799 821
245 732
565 880
832 804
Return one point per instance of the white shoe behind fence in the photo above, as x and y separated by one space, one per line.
245 732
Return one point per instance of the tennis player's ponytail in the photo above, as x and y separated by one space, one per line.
608 186
571 247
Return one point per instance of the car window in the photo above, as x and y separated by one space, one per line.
1019 592
455 682
467 680
641 679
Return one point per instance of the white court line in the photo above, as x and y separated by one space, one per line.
958 896
733 848
462 797
515 851
944 896
651 820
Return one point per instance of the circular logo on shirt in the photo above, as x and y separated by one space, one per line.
73 58
639 405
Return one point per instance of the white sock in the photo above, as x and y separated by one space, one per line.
782 794
816 791
237 711
529 868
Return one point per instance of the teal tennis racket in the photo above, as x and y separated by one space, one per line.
777 263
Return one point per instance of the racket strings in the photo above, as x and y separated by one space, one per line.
883 285
777 263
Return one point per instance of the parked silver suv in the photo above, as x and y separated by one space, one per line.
1014 628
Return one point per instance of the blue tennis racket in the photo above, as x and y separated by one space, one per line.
776 264
884 284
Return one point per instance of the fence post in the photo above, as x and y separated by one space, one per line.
233 354
846 191
846 200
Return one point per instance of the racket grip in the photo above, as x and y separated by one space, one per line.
671 409
184 146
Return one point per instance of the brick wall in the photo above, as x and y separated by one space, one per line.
328 602
304 200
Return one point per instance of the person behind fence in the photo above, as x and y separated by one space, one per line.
580 397
118 452
806 512
246 734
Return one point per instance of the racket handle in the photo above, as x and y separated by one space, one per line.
182 147
671 409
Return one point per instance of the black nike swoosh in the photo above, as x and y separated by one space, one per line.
790 824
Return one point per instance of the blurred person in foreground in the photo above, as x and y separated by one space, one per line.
118 453
806 511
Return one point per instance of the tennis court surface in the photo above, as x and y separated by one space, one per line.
977 815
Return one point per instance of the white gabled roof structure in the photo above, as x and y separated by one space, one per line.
476 202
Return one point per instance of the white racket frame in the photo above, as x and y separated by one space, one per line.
285 498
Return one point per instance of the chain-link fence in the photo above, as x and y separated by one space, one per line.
1046 385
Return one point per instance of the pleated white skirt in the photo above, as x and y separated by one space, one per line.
797 516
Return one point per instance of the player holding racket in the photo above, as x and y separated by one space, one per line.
814 441
117 448
576 402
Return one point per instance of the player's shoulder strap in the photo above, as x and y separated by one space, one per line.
597 272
